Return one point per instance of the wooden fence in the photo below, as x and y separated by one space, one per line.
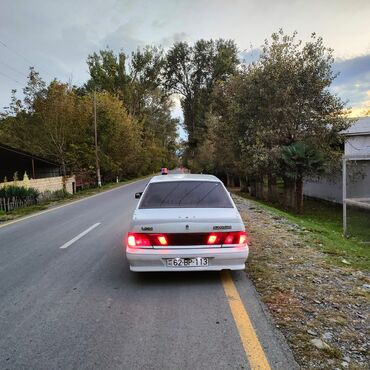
10 204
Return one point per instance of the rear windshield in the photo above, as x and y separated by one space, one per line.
185 194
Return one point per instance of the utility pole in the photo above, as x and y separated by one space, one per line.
96 144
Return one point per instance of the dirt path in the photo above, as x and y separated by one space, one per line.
322 309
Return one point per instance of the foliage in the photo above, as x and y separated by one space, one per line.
300 160
138 85
278 101
136 133
191 72
256 123
18 192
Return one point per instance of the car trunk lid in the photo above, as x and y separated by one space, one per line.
186 227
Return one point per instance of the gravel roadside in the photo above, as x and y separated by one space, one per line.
322 309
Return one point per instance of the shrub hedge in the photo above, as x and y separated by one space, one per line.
18 192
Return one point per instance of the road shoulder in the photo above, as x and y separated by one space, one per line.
273 343
320 308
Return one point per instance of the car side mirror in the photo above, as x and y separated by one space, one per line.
138 195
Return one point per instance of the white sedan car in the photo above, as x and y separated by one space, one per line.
186 223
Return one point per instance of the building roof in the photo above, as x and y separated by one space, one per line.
184 177
360 127
26 154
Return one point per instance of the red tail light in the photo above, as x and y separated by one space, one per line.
143 240
138 240
239 237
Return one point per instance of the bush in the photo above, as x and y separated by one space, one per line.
53 195
13 197
18 192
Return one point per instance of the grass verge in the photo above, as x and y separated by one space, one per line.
321 307
322 227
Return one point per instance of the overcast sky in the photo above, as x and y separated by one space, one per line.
56 36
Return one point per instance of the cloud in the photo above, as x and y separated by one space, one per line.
353 82
57 36
159 23
357 68
123 38
167 42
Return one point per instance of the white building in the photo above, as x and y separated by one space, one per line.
357 155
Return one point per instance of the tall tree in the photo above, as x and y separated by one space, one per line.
138 84
300 160
284 98
57 121
192 72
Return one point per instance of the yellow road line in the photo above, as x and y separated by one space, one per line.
66 205
252 347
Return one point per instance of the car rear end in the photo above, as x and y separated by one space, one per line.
189 223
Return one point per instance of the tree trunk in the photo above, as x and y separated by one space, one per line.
253 187
289 193
272 193
259 188
243 184
286 192
299 194
230 181
293 195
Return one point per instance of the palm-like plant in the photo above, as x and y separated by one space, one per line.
299 160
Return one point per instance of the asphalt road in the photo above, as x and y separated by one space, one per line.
79 307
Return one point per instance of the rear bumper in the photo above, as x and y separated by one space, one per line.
218 258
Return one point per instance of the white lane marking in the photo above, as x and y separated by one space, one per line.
79 236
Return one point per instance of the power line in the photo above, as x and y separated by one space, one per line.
11 78
16 52
24 58
13 69
29 62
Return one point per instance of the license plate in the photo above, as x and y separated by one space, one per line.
187 262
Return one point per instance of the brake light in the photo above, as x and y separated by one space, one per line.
239 237
138 240
229 239
144 240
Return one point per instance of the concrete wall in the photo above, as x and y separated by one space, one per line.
324 188
47 183
358 184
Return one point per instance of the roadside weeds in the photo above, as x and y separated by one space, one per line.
320 307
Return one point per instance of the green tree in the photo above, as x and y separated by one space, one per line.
281 99
300 160
138 85
58 123
192 72
119 138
